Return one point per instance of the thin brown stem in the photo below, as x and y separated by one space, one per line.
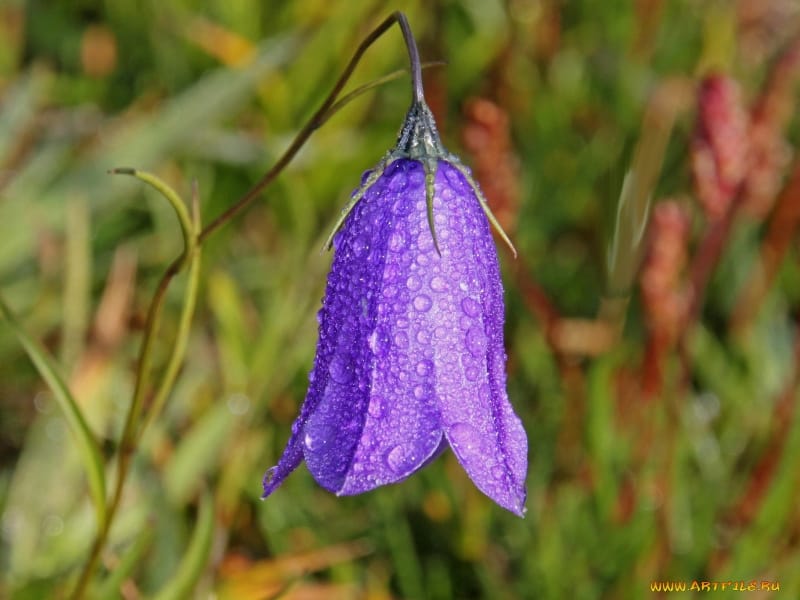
127 443
319 117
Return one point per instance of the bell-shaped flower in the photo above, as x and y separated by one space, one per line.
410 358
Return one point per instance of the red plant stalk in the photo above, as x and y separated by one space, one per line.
783 225
770 154
487 139
720 146
664 294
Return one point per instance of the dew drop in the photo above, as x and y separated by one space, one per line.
440 332
471 373
423 259
401 322
269 476
367 440
470 307
372 341
398 181
413 283
401 459
416 177
425 240
476 341
359 245
322 435
401 339
423 336
466 439
342 368
497 472
375 408
397 241
438 283
422 303
381 341
424 367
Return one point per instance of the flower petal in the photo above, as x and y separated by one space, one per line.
403 428
478 420
343 365
332 414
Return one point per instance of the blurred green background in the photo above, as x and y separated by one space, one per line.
697 479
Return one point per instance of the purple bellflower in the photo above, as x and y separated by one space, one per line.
410 358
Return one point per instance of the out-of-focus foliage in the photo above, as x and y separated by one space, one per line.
663 427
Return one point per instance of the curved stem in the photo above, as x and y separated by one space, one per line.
322 114
127 443
413 58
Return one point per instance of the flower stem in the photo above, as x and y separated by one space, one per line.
322 114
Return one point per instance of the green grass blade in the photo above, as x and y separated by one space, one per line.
128 562
87 444
196 556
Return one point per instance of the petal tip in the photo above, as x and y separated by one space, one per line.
269 484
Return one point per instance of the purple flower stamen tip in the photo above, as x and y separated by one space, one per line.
410 358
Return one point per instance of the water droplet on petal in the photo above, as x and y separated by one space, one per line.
398 181
471 373
416 177
397 241
466 439
359 245
497 472
401 459
269 475
424 367
423 336
425 240
375 408
438 284
422 303
401 339
470 307
342 369
476 341
322 436
413 283
372 341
